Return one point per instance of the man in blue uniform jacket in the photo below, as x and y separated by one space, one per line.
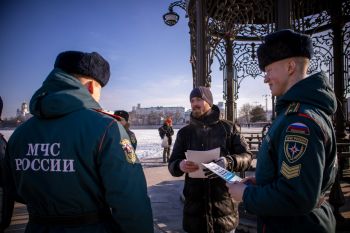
73 165
297 161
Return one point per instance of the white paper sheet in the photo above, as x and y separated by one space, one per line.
200 157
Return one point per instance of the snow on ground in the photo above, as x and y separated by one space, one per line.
148 140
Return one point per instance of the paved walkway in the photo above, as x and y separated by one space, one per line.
164 191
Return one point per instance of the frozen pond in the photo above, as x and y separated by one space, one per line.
148 140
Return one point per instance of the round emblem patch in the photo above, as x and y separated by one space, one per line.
128 150
294 147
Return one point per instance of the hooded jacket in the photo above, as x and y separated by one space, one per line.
208 205
69 160
297 162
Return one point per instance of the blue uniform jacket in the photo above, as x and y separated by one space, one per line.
70 160
297 162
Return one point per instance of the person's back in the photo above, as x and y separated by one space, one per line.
74 166
6 201
166 130
123 117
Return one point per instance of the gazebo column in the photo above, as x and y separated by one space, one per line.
201 44
229 80
337 26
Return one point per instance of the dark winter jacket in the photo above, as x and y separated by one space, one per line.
132 136
70 162
297 162
208 206
6 200
166 130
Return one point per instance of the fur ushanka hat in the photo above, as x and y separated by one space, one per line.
283 44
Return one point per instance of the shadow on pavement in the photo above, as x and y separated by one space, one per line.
167 206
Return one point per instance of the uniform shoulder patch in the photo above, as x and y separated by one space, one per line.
293 108
298 128
129 151
290 172
294 147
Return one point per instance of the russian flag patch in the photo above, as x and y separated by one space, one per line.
298 128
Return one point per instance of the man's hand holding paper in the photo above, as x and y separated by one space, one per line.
221 161
188 166
199 157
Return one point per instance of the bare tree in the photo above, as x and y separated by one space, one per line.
245 112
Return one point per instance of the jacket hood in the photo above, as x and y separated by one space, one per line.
59 95
313 90
210 118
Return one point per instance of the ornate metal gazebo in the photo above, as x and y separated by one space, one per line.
231 31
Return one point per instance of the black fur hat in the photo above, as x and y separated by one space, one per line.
123 114
89 64
283 44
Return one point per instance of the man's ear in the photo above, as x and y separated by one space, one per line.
291 66
90 86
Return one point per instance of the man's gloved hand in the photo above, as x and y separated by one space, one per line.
222 162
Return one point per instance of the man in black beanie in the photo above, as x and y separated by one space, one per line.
72 164
208 206
297 160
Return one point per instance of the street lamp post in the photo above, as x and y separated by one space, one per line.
200 62
171 18
266 95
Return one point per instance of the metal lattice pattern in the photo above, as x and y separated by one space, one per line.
323 55
234 21
347 58
238 26
310 15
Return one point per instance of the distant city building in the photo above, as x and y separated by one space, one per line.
187 115
23 112
221 106
156 115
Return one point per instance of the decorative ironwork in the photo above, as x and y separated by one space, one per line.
243 23
246 22
171 18
235 21
310 15
346 33
181 4
323 55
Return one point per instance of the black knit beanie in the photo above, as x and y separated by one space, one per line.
203 93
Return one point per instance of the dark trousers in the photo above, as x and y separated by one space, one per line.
166 154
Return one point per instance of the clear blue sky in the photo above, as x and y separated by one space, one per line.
149 60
